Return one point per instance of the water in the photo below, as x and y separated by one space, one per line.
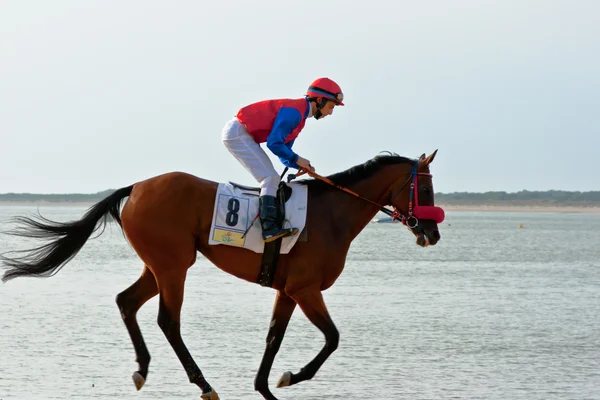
491 312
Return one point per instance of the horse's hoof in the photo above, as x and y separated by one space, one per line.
138 380
285 379
212 395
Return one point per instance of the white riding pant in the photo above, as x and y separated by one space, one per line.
249 153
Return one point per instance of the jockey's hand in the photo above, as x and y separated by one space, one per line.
305 164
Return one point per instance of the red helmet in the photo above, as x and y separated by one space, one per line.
327 89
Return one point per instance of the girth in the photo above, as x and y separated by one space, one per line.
272 249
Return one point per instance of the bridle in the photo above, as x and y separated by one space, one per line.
411 219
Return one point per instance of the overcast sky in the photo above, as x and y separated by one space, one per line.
101 94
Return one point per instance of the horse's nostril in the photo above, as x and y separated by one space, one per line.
436 235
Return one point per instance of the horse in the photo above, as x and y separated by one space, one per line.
167 219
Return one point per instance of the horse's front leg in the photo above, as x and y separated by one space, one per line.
312 304
282 312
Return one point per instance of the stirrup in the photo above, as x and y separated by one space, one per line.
284 232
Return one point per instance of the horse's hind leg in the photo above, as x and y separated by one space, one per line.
171 285
313 306
282 312
129 302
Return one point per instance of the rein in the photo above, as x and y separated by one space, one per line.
330 182
411 219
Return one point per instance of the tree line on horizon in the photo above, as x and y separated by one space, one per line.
549 197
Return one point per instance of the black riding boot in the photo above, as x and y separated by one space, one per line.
271 230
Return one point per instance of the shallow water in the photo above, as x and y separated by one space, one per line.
491 312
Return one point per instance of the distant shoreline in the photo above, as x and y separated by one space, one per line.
523 201
522 208
495 207
44 203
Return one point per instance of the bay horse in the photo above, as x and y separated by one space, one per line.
167 220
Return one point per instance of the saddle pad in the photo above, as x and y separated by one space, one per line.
235 208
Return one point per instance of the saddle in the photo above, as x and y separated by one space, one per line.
284 192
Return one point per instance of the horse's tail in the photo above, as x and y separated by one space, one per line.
66 238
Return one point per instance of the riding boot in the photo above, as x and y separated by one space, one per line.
271 230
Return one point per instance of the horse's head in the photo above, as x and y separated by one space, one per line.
413 203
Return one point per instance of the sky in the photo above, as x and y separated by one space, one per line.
102 94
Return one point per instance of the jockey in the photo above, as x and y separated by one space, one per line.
278 123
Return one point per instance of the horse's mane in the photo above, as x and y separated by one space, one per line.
358 172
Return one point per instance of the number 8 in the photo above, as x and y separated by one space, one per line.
232 217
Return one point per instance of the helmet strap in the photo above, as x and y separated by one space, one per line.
320 102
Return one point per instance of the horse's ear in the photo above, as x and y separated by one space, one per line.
429 159
422 158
